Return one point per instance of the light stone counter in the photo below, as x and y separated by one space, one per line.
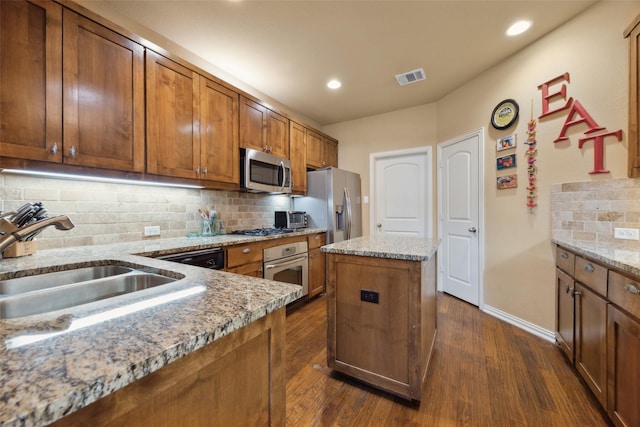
405 248
48 379
618 256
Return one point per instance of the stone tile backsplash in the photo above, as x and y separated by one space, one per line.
589 211
112 213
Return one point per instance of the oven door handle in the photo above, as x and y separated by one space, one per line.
283 264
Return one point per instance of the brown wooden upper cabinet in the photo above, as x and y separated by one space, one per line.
192 124
173 109
219 153
298 157
44 79
322 152
262 129
633 33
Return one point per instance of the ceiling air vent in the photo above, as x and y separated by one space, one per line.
410 77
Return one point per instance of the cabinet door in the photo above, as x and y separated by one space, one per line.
316 272
219 153
31 80
277 134
298 156
330 153
565 313
591 341
173 134
253 122
103 79
623 346
315 150
633 136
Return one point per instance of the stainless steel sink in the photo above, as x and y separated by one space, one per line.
43 293
59 278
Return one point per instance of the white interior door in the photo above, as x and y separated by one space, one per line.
401 193
460 196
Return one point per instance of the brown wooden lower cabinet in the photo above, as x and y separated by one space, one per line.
237 380
387 343
623 368
591 340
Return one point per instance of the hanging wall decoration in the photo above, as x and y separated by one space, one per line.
531 153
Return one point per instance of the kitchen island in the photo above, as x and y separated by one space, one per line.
213 356
381 310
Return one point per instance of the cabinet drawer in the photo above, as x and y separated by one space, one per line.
592 275
254 269
316 241
625 292
565 260
244 254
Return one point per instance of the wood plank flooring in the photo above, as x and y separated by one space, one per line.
484 373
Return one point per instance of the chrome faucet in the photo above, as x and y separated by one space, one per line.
12 234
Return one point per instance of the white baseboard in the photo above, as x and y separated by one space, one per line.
520 323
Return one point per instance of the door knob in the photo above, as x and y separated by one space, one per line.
473 229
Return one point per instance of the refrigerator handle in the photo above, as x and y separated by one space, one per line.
347 220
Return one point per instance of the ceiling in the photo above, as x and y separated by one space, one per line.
288 50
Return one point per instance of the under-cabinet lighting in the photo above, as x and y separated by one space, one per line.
94 319
96 178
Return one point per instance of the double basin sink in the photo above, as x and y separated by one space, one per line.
43 293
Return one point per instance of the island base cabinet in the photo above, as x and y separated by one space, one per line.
381 320
623 338
236 380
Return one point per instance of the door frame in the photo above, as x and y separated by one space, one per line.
373 157
441 257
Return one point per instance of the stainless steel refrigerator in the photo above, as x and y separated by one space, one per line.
333 202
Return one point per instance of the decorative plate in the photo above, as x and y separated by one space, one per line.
505 114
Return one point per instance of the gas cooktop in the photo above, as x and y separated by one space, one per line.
263 231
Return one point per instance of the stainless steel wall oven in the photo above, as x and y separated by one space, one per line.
288 263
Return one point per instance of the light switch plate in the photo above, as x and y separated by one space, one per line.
626 233
152 230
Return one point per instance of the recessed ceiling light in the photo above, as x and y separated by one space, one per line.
518 28
334 84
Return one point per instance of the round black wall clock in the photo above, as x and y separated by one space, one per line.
505 114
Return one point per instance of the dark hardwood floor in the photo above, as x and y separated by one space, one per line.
484 373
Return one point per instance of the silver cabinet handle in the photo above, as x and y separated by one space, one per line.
576 293
246 250
589 268
205 171
632 288
564 255
198 170
72 151
54 149
473 229
567 289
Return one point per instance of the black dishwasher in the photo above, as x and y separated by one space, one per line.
212 258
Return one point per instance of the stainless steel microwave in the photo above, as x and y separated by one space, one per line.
290 219
262 172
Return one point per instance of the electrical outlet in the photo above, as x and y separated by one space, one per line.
626 233
369 296
152 230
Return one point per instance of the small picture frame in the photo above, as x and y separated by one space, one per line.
507 181
506 162
506 142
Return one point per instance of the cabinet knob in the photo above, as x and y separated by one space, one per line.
246 250
472 229
198 170
564 255
632 288
205 171
589 268
72 151
54 149
379 225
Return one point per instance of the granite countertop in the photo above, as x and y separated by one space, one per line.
391 247
72 366
612 254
